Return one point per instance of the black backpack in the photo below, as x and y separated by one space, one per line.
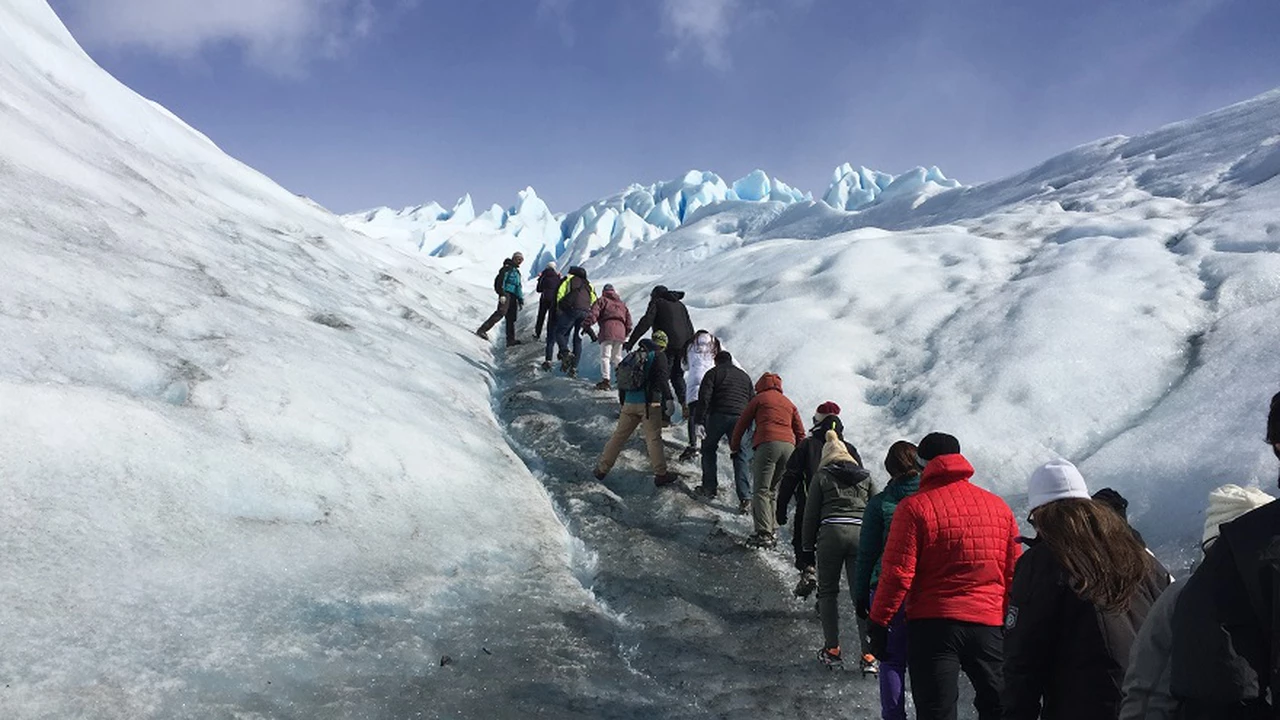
500 280
633 371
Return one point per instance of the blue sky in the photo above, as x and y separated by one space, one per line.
359 103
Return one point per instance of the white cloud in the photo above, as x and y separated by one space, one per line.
704 26
279 35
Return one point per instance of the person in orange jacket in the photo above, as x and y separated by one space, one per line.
778 430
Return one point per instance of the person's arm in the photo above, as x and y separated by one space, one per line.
870 545
797 425
593 314
705 391
898 563
740 428
812 514
627 324
1146 682
643 326
660 375
518 282
1031 628
1013 552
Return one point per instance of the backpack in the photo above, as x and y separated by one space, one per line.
633 371
500 280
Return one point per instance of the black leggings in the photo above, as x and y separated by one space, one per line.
938 651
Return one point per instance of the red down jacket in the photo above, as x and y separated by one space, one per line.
951 550
775 416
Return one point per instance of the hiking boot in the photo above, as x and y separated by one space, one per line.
830 658
705 493
567 362
808 583
869 665
482 334
546 365
689 453
665 479
763 541
598 474
744 507
604 385
512 343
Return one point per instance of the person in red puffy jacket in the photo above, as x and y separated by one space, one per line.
949 558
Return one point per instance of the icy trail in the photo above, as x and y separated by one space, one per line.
709 628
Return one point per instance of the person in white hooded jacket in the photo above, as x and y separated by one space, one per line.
1147 691
699 358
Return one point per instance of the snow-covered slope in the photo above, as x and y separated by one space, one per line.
249 464
1115 305
617 223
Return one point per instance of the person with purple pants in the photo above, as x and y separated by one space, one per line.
904 474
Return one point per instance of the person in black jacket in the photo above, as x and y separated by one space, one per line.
1225 660
643 407
1079 597
667 313
548 284
795 484
723 395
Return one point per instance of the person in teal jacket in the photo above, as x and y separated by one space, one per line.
904 473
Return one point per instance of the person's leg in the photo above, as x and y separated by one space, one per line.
832 547
769 458
782 454
741 478
982 659
513 308
496 316
893 670
934 665
717 427
803 559
564 327
677 373
577 338
544 309
551 332
851 574
653 438
630 418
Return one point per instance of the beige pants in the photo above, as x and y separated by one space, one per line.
632 417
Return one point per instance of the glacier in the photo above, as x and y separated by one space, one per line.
255 464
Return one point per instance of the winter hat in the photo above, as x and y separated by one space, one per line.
658 290
552 265
1229 502
833 450
1113 500
936 444
517 258
1273 421
1055 480
660 339
608 287
825 409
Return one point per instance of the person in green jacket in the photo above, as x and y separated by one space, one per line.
838 495
903 467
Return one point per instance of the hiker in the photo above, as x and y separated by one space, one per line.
548 285
904 481
1225 662
1080 593
778 431
1147 693
699 357
838 497
724 393
641 406
949 558
510 289
574 299
667 313
615 323
799 472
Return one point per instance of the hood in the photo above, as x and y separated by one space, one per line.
769 381
831 422
846 472
578 272
550 270
903 486
675 295
611 294
946 469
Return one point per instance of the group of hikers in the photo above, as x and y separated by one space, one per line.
1084 623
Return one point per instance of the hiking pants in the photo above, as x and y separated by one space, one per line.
893 669
547 313
635 415
610 356
508 306
767 467
693 413
718 427
837 552
674 361
804 559
551 330
938 651
569 322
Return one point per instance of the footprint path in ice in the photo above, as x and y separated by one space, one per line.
709 622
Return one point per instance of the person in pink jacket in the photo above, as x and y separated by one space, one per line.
614 319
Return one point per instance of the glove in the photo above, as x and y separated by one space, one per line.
520 304
669 408
626 346
699 433
879 638
863 610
